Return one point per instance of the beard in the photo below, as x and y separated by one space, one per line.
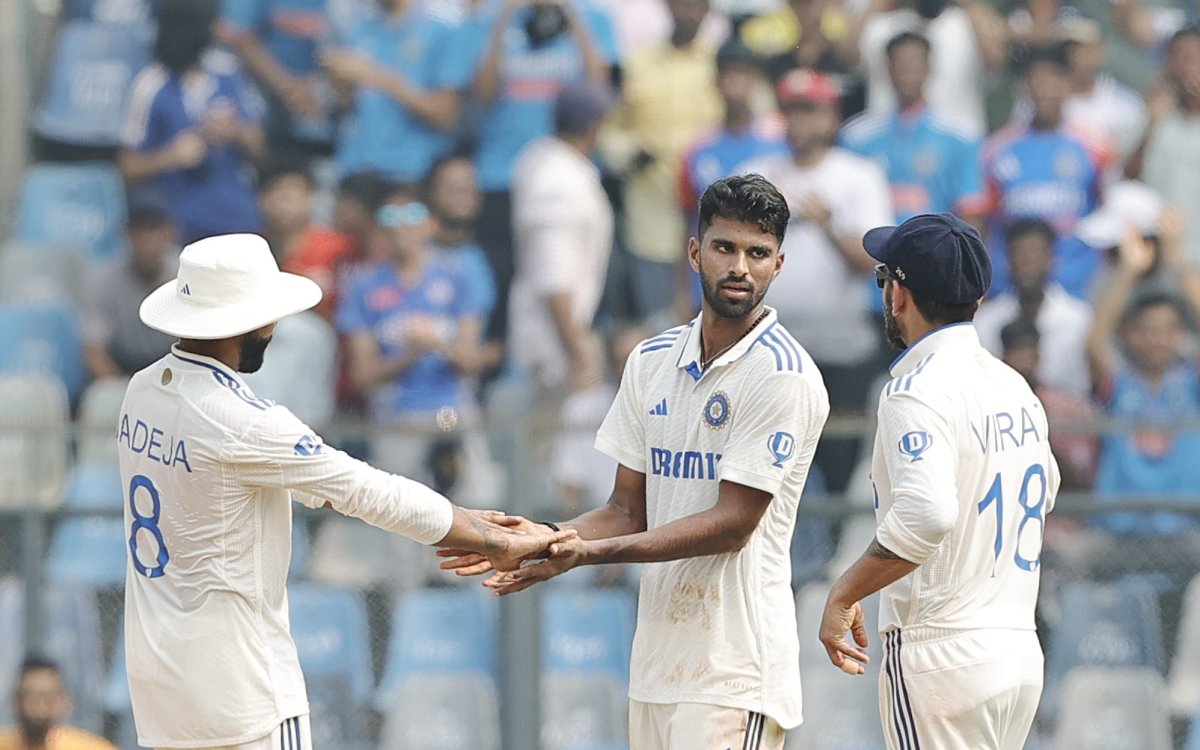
250 355
725 308
891 327
35 731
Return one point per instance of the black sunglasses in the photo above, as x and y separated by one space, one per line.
883 275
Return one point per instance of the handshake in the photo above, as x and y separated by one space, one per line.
520 553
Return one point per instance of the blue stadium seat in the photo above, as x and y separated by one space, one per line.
96 486
110 11
439 632
33 440
39 339
443 712
329 625
89 551
99 411
1114 708
1109 625
73 205
89 81
40 275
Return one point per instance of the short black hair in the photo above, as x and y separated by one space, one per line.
1052 54
1028 225
37 663
1157 298
279 166
461 152
908 37
1020 332
369 188
185 30
748 198
943 313
1192 29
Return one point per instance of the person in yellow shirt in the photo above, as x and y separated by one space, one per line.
42 703
799 34
669 100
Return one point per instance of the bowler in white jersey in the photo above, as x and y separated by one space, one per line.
210 472
963 479
713 430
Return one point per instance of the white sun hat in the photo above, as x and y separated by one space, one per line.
227 285
1127 205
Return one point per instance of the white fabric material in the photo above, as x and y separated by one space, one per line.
957 77
562 237
227 285
690 726
957 427
213 470
820 299
292 734
575 461
1063 321
954 689
720 629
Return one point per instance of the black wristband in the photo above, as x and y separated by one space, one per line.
553 526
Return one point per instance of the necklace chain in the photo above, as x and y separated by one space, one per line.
704 363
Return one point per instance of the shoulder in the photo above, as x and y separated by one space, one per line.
662 341
848 165
221 63
952 126
148 83
775 350
1003 139
865 126
918 382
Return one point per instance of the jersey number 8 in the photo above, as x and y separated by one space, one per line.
148 524
1034 514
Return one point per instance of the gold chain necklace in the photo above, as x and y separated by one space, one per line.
704 363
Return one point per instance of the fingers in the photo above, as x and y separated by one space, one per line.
511 582
858 626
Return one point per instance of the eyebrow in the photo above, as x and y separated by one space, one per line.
721 242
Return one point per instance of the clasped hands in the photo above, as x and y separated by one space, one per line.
542 555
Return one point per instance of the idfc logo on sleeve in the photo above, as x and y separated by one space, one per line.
914 443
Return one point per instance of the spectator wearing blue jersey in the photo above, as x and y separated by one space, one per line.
742 137
413 338
1150 381
193 127
277 42
527 52
402 74
1049 169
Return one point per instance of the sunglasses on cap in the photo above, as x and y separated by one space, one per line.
883 275
394 216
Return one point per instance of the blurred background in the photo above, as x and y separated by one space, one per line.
496 197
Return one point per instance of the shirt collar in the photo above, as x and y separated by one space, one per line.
689 351
953 336
208 363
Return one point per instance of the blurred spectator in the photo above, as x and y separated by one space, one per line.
670 100
740 139
1152 26
968 39
582 475
413 339
1062 320
1048 169
1070 414
192 128
800 34
359 197
43 704
452 194
286 193
835 197
403 73
1170 149
1036 23
277 42
563 231
1151 381
529 50
116 342
639 24
302 343
1132 205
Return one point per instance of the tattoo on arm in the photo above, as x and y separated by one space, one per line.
879 552
487 533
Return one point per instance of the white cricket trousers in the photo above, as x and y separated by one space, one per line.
292 734
700 726
945 689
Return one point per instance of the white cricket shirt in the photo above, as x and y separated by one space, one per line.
721 629
963 479
210 471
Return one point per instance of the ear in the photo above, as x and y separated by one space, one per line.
900 298
693 251
779 258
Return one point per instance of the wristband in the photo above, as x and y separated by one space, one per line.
553 526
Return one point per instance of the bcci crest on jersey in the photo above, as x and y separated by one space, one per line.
716 411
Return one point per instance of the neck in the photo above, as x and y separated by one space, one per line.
738 119
283 239
681 39
1084 84
911 106
1189 105
580 143
448 236
809 157
146 275
917 330
398 9
410 265
1047 121
1031 300
225 351
718 334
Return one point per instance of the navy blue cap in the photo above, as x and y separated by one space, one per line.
580 105
939 256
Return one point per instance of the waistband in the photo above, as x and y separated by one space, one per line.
914 634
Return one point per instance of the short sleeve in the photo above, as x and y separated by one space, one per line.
351 315
779 416
453 58
622 435
872 203
921 457
139 131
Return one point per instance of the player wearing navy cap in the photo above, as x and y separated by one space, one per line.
963 478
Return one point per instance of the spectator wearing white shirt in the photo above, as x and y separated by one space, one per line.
969 40
1062 320
563 234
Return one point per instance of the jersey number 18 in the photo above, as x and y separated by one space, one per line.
1031 514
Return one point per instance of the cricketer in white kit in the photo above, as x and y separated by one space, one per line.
963 479
210 472
714 429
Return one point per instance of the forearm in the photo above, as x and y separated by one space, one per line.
136 166
468 532
991 33
594 64
708 533
99 364
607 521
379 370
439 109
487 80
570 334
852 252
262 64
878 567
251 140
1136 160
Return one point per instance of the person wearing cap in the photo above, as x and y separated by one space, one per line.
669 99
835 196
562 235
963 476
115 341
211 471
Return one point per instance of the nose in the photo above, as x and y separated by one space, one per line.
739 264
